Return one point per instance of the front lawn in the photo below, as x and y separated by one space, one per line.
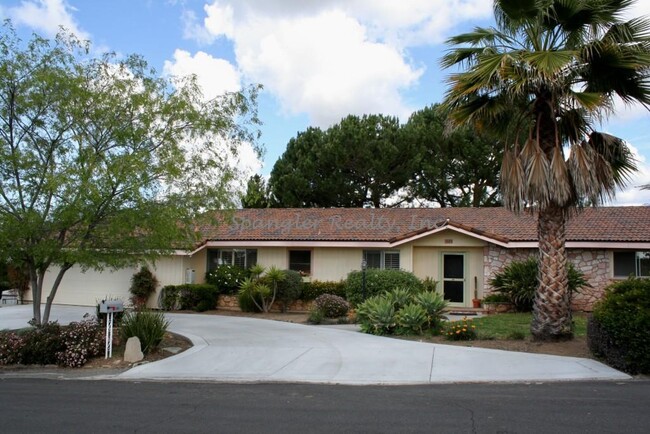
517 326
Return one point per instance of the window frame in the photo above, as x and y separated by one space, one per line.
233 252
382 258
638 257
290 264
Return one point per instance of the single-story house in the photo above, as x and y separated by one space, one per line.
461 248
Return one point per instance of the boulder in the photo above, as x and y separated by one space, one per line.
133 352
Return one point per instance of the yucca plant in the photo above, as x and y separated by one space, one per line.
149 326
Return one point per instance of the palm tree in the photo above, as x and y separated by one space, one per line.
545 76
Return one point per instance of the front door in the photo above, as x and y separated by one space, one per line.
453 277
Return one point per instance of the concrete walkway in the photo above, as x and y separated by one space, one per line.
232 349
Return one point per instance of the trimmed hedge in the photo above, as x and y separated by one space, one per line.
311 290
199 297
379 282
618 328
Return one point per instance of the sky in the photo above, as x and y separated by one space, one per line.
317 60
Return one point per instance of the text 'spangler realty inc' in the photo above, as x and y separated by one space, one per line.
336 223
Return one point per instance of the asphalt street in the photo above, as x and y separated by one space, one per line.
70 406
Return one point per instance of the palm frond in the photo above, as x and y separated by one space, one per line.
581 169
617 154
560 185
512 181
537 174
549 63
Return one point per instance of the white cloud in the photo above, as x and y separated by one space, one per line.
215 76
638 9
46 16
324 65
633 195
219 20
624 112
320 57
192 29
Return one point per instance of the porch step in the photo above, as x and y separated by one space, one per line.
465 311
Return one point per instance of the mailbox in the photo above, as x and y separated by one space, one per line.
106 306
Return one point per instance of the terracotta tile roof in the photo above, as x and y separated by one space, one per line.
393 224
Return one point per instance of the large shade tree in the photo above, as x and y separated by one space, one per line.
102 162
553 68
361 161
459 168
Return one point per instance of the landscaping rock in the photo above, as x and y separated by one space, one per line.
133 352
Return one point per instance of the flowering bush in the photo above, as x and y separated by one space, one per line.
462 330
331 305
10 347
81 341
227 278
70 346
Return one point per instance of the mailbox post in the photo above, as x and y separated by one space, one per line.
109 307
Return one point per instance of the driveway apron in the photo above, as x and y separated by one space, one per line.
233 349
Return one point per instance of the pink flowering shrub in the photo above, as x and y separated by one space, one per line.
81 341
10 345
71 346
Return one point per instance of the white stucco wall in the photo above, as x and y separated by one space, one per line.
87 288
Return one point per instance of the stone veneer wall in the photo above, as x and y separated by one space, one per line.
595 264
230 302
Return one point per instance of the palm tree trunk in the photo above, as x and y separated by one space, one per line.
552 307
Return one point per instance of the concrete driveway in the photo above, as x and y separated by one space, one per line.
232 349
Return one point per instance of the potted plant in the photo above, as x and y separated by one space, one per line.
476 302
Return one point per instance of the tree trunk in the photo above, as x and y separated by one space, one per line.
36 295
55 287
552 307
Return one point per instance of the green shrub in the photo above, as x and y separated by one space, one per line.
196 296
497 297
376 316
399 297
143 284
411 318
147 325
311 290
463 330
289 288
41 345
246 301
379 282
430 285
618 329
316 315
433 304
332 306
518 280
227 278
170 297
